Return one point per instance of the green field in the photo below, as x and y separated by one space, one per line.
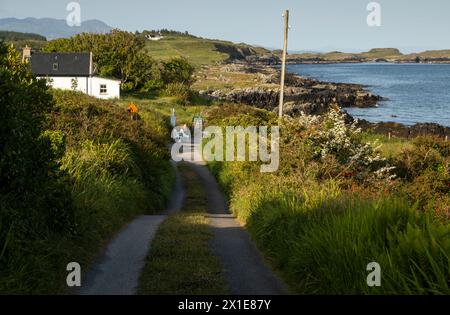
200 51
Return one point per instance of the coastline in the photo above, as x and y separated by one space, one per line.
295 61
312 97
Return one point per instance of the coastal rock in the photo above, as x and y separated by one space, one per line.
313 100
313 97
402 131
429 129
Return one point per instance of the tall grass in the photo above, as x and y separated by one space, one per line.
322 240
105 189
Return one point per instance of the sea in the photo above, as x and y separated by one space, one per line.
414 93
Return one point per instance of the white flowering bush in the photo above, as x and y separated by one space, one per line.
338 145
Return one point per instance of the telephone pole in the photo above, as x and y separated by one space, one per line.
283 63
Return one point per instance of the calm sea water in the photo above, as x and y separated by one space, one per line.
415 92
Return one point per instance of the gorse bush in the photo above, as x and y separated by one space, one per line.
425 171
239 115
427 153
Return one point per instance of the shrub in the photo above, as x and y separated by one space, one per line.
332 139
181 91
178 70
427 153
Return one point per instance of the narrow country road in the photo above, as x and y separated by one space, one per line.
244 267
117 270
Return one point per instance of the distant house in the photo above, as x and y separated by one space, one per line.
154 37
72 71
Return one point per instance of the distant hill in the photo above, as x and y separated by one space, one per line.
200 51
15 36
52 28
376 54
19 40
382 53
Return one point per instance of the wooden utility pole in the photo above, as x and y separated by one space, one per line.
283 63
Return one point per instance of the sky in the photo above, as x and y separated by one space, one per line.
315 25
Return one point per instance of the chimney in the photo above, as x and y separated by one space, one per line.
26 53
91 64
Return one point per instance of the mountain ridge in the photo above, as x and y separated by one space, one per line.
52 28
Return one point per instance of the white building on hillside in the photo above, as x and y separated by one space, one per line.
154 37
72 71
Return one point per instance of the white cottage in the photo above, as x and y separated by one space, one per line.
72 71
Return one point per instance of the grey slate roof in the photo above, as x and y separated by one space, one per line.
61 64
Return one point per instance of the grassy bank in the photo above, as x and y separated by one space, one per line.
163 105
338 203
180 260
112 169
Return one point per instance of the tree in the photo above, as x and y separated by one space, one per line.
178 70
117 54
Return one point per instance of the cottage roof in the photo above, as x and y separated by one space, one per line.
61 64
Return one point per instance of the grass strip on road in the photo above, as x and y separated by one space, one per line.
180 260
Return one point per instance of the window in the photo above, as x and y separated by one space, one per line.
55 66
103 89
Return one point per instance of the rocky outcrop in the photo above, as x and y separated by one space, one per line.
269 60
301 95
312 97
402 131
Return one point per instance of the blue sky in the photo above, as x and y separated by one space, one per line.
316 25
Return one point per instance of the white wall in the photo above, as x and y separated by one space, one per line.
112 88
65 83
88 85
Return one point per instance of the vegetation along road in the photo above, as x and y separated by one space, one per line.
243 267
117 270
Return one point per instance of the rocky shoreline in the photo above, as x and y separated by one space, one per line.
305 95
313 97
402 131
